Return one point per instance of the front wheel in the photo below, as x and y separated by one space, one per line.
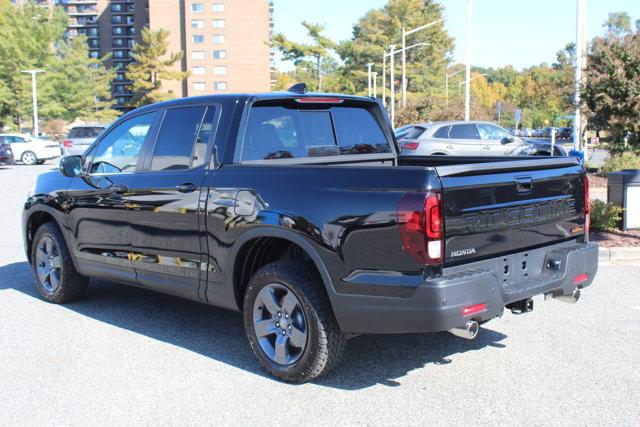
56 277
29 158
289 322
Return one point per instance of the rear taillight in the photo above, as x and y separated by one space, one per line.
67 143
410 145
587 202
421 226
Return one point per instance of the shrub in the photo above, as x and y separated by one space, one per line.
604 216
617 162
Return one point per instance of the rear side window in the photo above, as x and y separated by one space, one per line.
463 132
183 138
85 132
414 133
277 132
443 132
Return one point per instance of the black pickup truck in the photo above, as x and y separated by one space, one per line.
296 209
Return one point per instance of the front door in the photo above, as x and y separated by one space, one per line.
164 203
97 201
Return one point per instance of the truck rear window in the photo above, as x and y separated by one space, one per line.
276 132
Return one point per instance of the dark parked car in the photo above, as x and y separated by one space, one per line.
564 133
6 155
296 210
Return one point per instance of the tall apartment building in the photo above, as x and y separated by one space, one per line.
225 43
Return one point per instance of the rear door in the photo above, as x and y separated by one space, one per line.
466 141
164 202
497 208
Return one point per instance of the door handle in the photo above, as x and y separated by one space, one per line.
186 188
119 188
486 147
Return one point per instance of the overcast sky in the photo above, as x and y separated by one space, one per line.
517 32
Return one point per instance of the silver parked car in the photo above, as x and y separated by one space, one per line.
458 138
81 137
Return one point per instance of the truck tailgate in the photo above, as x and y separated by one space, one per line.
491 209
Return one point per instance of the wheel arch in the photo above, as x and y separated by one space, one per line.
35 219
259 247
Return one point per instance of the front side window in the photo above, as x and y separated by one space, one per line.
119 151
183 138
277 132
467 131
491 132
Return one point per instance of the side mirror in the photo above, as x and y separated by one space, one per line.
71 166
508 139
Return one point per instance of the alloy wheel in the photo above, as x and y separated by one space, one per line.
279 324
29 158
48 264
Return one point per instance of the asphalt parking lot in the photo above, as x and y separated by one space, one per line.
130 356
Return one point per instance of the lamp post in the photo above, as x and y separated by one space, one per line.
446 85
375 84
406 33
369 65
34 96
384 66
392 88
470 80
580 48
467 89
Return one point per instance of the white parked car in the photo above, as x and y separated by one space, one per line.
29 150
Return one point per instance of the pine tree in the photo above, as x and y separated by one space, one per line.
75 85
152 67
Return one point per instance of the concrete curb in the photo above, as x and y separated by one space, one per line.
619 254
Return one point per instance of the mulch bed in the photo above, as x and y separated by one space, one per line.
596 181
616 238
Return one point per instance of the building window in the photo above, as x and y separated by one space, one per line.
219 38
117 19
220 85
118 43
116 7
197 23
197 39
197 54
199 86
199 70
94 54
219 54
220 69
197 7
217 7
117 31
218 23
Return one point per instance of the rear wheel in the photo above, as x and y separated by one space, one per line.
289 322
29 158
56 277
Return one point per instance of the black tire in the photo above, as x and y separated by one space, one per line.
71 286
29 158
325 341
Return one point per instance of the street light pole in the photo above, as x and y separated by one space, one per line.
446 85
34 96
578 73
384 79
375 84
467 89
404 56
369 65
392 49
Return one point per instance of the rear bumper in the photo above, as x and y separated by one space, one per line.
437 303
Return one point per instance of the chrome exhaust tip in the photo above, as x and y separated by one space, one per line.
468 331
571 299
